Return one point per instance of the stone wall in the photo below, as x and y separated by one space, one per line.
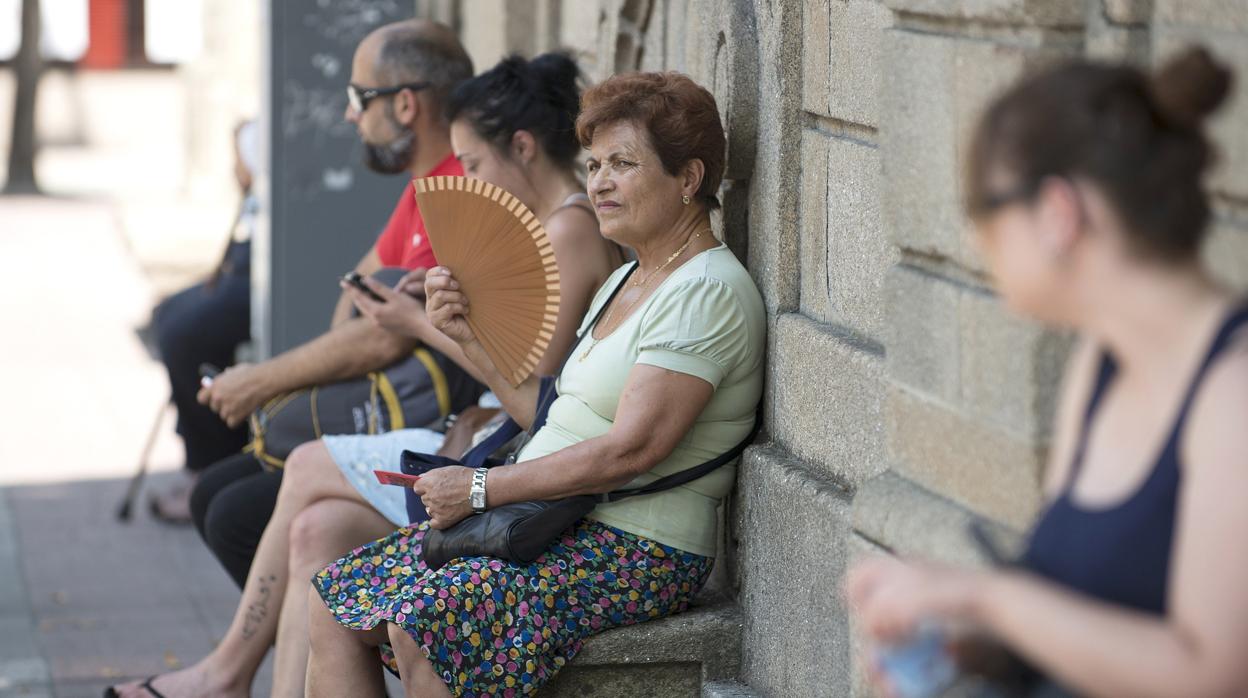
902 399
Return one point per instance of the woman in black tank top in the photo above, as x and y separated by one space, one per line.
1084 184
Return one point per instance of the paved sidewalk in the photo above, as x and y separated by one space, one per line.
104 601
86 601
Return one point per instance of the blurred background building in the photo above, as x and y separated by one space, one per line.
137 102
902 399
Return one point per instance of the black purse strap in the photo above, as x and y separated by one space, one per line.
594 323
664 483
547 393
479 456
546 397
689 475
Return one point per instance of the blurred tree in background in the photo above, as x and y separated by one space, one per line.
28 65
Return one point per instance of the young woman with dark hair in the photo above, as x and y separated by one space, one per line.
1085 186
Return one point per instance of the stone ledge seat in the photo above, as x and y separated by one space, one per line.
671 656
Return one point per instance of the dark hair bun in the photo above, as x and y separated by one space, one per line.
1190 86
557 74
540 96
1135 135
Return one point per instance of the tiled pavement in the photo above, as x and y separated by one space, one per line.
96 600
23 670
85 600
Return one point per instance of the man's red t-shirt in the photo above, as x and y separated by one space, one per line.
404 243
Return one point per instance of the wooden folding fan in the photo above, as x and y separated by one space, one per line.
503 261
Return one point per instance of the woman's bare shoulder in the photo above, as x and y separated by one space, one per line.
580 248
1219 411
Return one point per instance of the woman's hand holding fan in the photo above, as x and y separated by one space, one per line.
447 306
505 290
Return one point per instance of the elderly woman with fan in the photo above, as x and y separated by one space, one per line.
666 374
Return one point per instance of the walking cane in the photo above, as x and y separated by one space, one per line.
136 483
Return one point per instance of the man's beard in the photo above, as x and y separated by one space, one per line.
393 157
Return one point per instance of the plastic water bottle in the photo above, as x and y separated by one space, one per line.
919 668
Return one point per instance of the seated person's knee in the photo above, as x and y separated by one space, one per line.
177 332
302 458
309 531
300 468
201 502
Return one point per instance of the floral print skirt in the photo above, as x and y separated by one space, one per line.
492 627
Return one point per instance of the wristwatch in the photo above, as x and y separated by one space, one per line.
476 496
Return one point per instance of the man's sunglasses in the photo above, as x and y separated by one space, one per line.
359 97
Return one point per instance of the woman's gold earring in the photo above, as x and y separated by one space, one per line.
685 199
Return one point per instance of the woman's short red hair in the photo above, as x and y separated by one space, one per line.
679 116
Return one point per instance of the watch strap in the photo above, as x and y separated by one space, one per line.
477 494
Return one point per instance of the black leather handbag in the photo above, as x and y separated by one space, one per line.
522 531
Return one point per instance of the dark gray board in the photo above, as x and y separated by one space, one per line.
324 207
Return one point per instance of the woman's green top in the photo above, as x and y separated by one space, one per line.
705 320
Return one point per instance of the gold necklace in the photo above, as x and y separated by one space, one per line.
644 284
671 257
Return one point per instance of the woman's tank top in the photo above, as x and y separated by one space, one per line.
1121 554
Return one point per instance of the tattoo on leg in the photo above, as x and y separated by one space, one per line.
259 610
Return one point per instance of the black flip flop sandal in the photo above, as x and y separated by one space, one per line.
111 692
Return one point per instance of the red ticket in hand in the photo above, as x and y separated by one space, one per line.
389 477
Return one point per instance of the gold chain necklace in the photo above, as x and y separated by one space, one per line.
669 260
644 284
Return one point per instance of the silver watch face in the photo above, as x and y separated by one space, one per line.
477 499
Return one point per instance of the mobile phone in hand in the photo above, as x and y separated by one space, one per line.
207 372
389 477
354 278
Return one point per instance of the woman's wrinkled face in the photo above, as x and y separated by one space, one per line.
481 160
632 194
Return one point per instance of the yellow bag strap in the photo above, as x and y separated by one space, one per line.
257 433
441 390
257 446
316 417
379 384
380 387
440 386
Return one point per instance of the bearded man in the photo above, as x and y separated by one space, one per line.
401 76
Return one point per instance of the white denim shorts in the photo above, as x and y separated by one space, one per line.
358 455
